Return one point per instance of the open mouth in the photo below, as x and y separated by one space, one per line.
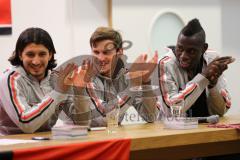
36 68
184 64
102 65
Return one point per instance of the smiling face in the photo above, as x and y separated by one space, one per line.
35 58
105 57
189 51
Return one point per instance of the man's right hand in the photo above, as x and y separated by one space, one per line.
64 79
83 75
215 69
141 70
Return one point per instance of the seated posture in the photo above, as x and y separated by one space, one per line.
193 73
28 101
111 79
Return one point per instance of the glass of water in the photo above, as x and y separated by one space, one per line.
176 107
112 118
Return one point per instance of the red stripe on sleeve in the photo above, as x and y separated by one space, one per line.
18 104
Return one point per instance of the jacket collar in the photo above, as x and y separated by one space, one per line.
119 71
23 73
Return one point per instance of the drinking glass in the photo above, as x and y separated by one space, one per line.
112 118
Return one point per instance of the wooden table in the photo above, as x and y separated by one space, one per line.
152 141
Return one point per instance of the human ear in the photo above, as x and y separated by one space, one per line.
50 56
120 52
205 47
20 56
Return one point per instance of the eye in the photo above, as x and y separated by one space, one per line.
95 52
108 52
192 51
42 54
30 54
179 48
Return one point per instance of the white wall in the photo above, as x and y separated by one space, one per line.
87 15
231 46
69 22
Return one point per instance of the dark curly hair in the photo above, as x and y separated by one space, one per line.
37 36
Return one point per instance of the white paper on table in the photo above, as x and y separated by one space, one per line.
15 141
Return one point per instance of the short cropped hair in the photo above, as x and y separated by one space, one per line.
194 28
106 33
37 36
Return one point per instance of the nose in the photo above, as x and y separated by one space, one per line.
184 55
36 60
100 57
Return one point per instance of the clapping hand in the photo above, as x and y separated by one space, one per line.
215 69
141 69
83 74
64 79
